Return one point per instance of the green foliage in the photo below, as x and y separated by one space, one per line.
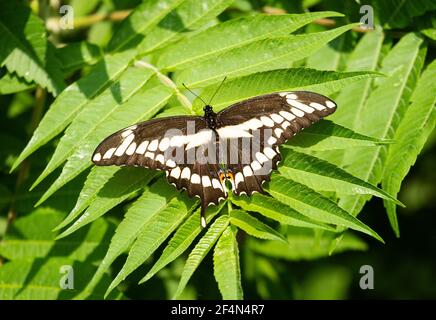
36 259
24 48
226 265
115 223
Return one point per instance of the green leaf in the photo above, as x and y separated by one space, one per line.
326 135
154 200
138 24
263 55
200 251
73 99
181 240
400 11
238 89
418 123
322 175
227 270
122 185
153 234
304 244
189 16
383 111
351 100
76 55
40 279
96 113
314 205
24 48
31 237
271 208
332 56
253 226
94 129
11 83
232 34
95 181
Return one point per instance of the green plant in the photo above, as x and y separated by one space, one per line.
386 112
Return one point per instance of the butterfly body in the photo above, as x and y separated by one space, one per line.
239 144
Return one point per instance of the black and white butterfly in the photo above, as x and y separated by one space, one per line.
251 132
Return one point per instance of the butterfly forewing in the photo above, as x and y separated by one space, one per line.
269 121
242 146
171 144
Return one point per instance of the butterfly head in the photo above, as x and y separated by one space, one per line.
210 116
207 110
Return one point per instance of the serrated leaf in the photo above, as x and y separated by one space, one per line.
327 135
416 126
95 181
332 56
129 113
73 99
200 251
76 55
11 83
39 279
263 55
137 25
24 48
232 34
253 226
271 208
400 11
122 185
322 175
303 244
153 234
238 89
181 240
314 205
189 16
153 200
384 110
31 237
351 100
96 113
227 270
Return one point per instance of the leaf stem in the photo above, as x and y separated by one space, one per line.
167 82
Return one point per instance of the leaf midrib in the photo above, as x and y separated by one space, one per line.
377 150
218 52
219 3
151 24
392 114
220 105
24 49
367 85
265 62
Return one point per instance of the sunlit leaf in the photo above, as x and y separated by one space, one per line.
227 270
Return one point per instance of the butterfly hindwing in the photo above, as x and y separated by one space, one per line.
269 121
239 144
171 144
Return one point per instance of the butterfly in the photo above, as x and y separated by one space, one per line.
236 148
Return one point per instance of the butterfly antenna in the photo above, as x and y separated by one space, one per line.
216 91
194 94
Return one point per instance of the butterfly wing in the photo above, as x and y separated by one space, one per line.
174 144
266 121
